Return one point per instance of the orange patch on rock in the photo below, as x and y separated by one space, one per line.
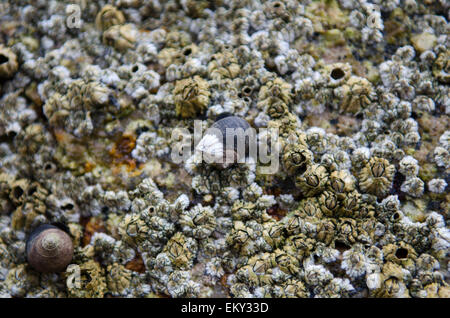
121 152
276 212
136 264
223 280
89 166
94 225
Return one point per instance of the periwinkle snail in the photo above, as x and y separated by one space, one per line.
227 141
49 249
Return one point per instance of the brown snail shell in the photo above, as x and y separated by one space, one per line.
49 249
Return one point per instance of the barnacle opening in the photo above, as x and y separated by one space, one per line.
337 73
18 192
3 59
401 253
187 51
247 90
32 190
341 246
68 206
337 185
313 180
377 169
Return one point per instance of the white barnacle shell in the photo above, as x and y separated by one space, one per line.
353 263
413 186
182 202
230 194
373 281
211 148
437 185
409 166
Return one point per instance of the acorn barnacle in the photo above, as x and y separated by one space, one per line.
313 180
329 203
227 141
441 67
109 16
223 65
357 93
275 108
191 96
351 205
376 177
121 37
278 89
341 181
8 63
296 158
337 73
49 249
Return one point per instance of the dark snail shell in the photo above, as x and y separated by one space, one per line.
49 249
228 141
231 122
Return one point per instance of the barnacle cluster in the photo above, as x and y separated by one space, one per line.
94 105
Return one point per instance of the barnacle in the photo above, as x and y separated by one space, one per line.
273 234
354 263
329 203
336 74
241 239
191 96
313 180
291 289
341 181
275 108
86 280
413 186
198 222
296 158
391 282
310 208
326 231
18 191
108 16
223 65
181 250
351 205
194 8
278 90
8 63
347 231
356 94
242 210
376 176
118 279
20 279
72 111
121 37
133 229
286 262
32 210
300 246
401 254
441 67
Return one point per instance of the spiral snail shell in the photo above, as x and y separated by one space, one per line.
221 141
49 249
